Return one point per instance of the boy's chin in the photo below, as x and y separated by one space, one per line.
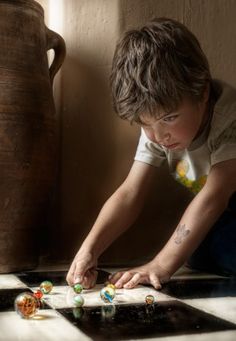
181 147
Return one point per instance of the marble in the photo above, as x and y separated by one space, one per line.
107 294
78 288
78 300
46 287
63 296
26 305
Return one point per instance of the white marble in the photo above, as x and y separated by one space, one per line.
215 336
45 325
62 296
223 307
9 281
187 273
195 276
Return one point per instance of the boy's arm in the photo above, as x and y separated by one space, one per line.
117 214
199 217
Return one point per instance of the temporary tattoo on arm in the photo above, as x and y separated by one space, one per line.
181 233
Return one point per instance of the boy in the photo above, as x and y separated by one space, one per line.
161 80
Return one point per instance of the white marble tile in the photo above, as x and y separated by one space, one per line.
215 336
45 325
9 281
62 296
223 307
187 273
195 276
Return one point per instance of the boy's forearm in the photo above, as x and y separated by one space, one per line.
199 217
117 214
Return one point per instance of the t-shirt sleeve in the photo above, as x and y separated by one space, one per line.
149 152
224 145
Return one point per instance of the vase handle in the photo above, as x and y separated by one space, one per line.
56 42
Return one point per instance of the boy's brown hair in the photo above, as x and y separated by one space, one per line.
154 67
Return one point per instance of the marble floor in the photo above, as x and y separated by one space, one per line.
197 305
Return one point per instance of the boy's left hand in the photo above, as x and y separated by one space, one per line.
150 273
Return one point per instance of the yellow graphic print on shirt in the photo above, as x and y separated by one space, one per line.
195 186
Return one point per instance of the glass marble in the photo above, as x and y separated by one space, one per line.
78 288
38 294
107 294
149 299
110 285
26 305
108 312
78 300
46 287
78 313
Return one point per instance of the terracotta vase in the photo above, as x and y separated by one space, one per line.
28 142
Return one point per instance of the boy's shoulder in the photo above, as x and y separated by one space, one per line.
224 112
223 123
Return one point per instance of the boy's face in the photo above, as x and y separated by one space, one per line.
178 129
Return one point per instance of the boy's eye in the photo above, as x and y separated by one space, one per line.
169 118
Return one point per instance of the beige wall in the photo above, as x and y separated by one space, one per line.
96 147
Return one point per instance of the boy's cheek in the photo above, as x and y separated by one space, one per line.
150 136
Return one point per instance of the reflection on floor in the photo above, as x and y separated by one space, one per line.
200 305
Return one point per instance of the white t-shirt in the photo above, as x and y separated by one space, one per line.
215 144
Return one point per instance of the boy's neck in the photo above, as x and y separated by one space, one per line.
207 116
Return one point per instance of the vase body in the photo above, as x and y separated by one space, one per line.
28 143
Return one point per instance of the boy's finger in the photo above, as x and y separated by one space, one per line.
133 281
86 282
91 278
70 274
154 280
124 279
78 276
114 277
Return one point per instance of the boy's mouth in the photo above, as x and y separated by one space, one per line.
171 146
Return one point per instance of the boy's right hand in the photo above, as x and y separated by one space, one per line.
83 270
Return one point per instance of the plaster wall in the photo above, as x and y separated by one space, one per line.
97 148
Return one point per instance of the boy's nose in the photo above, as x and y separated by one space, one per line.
162 138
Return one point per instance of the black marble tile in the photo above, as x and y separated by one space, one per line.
33 279
121 322
201 288
8 296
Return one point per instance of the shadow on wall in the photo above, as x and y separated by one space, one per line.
89 150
